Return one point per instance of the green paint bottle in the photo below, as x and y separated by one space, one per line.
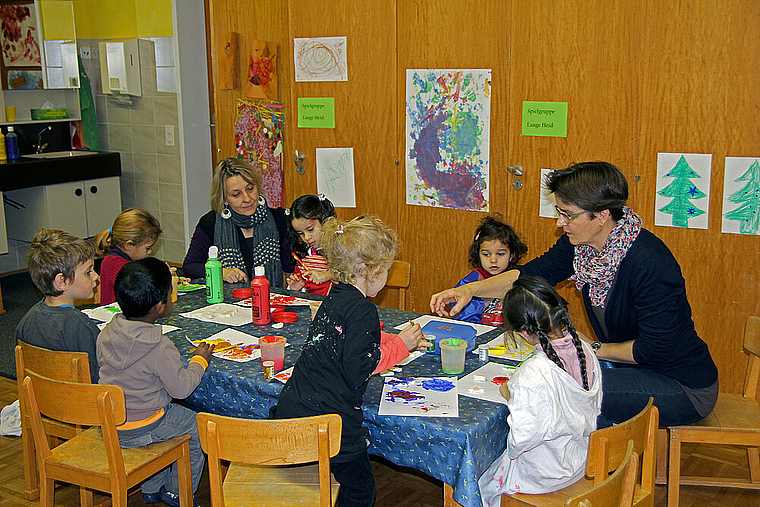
214 280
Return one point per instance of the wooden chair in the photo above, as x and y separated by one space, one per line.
606 449
94 458
399 276
616 490
67 366
735 420
267 459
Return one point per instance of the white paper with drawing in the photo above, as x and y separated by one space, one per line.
422 397
484 383
683 190
320 59
741 196
221 313
335 176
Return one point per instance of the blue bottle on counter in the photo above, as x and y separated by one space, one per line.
11 144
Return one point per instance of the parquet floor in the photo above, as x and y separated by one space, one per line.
397 487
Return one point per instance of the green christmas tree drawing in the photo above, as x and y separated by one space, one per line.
748 213
682 190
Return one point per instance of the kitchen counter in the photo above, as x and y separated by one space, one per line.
34 172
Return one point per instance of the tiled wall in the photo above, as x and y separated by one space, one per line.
151 171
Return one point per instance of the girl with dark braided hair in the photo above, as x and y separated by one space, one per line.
554 397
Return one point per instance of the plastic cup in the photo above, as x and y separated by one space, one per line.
10 113
273 349
452 355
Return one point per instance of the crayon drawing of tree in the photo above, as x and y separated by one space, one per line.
748 213
682 190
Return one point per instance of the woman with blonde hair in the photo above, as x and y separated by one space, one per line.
247 232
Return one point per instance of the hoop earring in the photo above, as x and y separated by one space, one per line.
226 213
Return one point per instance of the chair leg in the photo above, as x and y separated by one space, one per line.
119 497
184 476
47 491
674 468
31 480
661 475
754 464
448 497
85 497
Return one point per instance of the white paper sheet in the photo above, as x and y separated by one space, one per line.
320 59
103 313
741 183
279 299
221 313
683 190
504 348
485 389
420 397
424 319
245 347
335 176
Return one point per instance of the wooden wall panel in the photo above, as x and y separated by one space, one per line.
439 34
700 93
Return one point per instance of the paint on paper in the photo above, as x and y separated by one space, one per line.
258 139
19 35
484 382
422 397
683 195
22 79
233 345
103 313
448 115
741 196
507 347
262 71
279 300
221 313
335 176
320 59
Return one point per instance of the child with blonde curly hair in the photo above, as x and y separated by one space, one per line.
344 347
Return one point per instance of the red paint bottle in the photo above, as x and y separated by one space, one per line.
260 297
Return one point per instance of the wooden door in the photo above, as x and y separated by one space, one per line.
365 118
435 34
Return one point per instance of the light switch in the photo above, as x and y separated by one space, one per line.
169 131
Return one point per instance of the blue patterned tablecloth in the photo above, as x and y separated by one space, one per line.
454 450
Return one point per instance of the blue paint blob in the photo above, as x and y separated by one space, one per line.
436 384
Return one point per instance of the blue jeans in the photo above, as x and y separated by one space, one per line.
626 391
177 420
357 482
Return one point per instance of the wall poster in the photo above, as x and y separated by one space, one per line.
448 116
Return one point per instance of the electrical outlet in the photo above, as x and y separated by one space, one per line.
86 52
169 134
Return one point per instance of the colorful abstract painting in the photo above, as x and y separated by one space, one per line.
421 397
262 71
741 196
448 116
22 79
19 35
258 139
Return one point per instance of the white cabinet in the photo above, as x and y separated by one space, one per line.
61 67
83 208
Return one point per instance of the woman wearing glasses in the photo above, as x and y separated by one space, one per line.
634 294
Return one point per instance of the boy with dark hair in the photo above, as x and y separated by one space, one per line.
61 266
135 355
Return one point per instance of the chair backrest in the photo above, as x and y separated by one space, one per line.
752 345
617 490
55 364
78 404
399 276
270 442
607 447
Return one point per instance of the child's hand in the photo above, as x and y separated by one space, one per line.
295 282
412 337
183 280
204 349
318 277
232 275
504 391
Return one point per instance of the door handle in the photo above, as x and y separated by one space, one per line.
298 159
516 170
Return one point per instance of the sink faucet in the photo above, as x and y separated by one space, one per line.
39 148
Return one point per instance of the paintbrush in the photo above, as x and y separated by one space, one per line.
300 262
